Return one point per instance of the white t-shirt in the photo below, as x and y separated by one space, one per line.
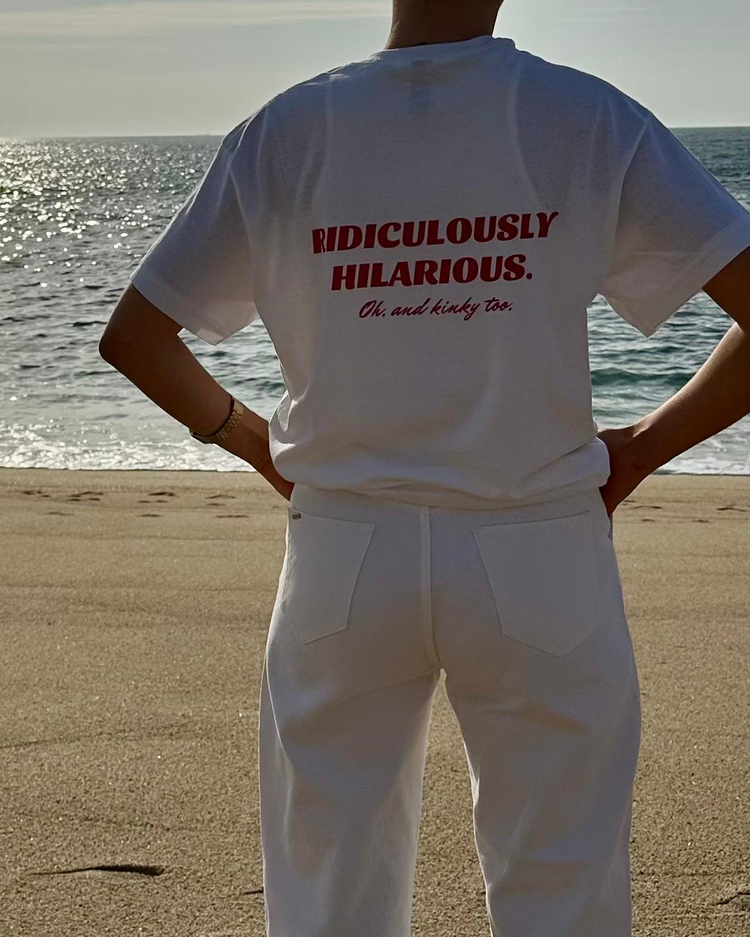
421 232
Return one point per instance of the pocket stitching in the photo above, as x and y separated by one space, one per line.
595 590
324 521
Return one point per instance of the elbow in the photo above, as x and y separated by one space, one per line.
113 347
108 348
115 343
124 350
135 326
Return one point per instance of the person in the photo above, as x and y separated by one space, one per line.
421 233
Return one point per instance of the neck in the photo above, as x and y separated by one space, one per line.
426 21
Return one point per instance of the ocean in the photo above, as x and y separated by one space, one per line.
76 214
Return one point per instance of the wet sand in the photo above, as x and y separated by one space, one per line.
134 614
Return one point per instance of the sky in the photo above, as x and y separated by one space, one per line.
129 67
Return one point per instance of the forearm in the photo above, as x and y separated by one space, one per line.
715 397
169 374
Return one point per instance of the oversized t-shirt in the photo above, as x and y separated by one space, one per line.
421 233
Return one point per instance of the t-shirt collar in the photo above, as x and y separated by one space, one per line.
437 50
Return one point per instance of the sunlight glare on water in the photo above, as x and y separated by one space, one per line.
76 215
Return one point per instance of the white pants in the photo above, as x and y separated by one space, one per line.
522 608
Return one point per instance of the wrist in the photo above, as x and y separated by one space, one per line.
644 447
249 441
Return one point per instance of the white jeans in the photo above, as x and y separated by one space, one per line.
522 608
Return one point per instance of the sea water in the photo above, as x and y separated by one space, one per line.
76 215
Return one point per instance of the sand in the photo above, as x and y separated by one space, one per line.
134 615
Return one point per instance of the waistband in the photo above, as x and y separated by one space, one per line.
346 503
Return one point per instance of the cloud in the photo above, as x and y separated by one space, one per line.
143 18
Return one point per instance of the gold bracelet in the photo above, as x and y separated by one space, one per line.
225 430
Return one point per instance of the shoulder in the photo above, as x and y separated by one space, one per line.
296 105
251 129
301 102
575 91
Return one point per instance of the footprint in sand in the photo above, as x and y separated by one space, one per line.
161 493
731 507
233 515
149 515
209 497
61 513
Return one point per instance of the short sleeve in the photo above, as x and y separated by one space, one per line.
198 270
676 228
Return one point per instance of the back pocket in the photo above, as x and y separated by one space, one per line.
323 558
544 580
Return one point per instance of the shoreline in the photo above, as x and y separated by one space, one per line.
251 471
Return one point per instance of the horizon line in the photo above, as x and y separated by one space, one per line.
120 136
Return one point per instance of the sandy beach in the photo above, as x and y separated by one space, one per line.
134 613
